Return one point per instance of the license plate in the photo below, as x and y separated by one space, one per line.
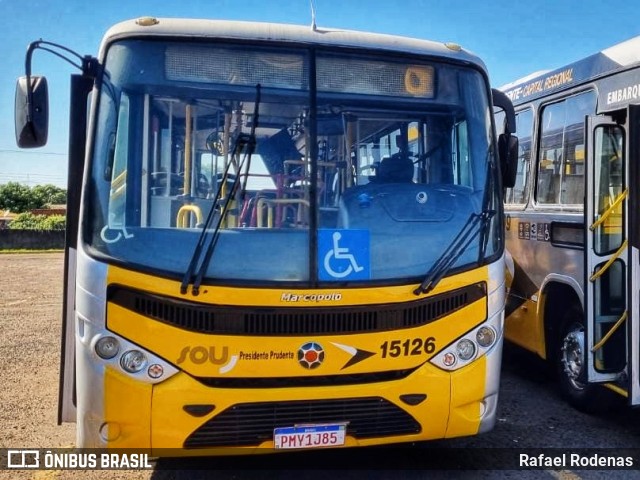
310 436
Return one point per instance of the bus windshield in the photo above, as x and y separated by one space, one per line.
373 161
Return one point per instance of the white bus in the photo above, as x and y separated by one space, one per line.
572 223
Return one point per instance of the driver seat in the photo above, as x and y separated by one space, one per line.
397 168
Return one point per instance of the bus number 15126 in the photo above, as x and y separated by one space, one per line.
415 346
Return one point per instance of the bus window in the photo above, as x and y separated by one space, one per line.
461 166
117 169
609 304
608 166
374 147
561 156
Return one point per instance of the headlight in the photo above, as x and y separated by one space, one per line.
133 361
466 349
485 336
107 347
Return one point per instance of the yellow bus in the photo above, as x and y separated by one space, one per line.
572 227
261 256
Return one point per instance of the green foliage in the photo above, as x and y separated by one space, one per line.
50 194
29 221
54 222
17 198
26 221
20 198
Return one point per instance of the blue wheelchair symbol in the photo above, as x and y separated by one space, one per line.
343 255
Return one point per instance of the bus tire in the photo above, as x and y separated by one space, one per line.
571 365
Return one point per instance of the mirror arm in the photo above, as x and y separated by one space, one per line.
89 67
501 100
27 70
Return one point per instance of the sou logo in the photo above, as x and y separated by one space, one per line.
200 355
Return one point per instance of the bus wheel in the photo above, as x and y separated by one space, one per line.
571 366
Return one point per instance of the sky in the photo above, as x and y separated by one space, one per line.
513 37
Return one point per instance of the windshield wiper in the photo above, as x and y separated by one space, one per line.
475 224
243 143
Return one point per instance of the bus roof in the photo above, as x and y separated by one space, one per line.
539 84
199 29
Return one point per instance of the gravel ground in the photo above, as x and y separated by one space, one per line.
30 313
30 323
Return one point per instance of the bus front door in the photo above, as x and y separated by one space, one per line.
611 254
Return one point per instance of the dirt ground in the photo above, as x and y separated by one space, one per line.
30 318
30 324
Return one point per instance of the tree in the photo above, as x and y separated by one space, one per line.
19 198
50 194
16 197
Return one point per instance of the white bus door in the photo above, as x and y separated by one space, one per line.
611 259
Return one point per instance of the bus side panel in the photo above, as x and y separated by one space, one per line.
522 326
529 244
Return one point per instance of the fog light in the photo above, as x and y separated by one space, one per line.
133 361
485 336
155 370
109 431
449 359
466 349
107 347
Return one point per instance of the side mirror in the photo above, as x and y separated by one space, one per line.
508 153
507 143
32 112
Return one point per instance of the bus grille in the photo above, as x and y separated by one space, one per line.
294 321
250 424
306 381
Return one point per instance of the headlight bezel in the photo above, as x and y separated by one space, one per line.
161 371
449 358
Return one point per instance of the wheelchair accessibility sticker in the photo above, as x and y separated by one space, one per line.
343 255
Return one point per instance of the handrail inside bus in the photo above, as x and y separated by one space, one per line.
269 203
182 220
609 210
606 266
604 339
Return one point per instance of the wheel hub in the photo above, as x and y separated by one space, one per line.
572 357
